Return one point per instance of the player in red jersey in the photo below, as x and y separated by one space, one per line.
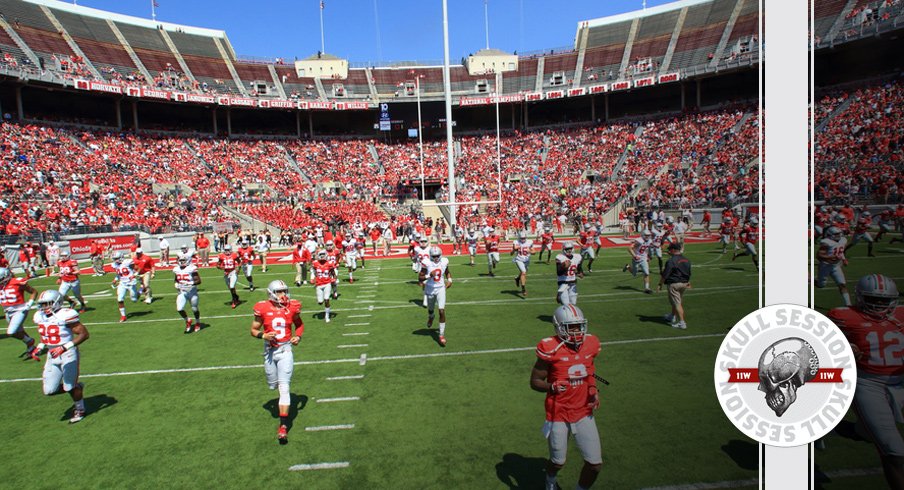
862 234
491 242
546 243
278 322
564 370
146 267
749 237
69 280
707 220
246 256
334 256
324 275
875 329
587 239
12 297
228 261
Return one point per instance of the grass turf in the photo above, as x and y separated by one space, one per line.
427 417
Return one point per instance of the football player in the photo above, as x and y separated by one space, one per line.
861 233
12 297
522 248
886 223
146 268
350 246
324 274
334 255
568 270
471 239
749 236
564 370
434 279
874 328
459 235
726 232
125 280
228 262
491 243
657 237
546 244
69 280
61 333
246 256
831 259
586 240
419 253
640 257
277 321
186 282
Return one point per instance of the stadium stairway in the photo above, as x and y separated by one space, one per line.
838 110
182 64
71 42
726 34
624 156
277 82
839 21
247 222
670 51
431 210
294 165
128 47
19 42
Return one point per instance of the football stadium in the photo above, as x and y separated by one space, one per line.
169 207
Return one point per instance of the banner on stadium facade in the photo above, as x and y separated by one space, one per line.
644 82
318 104
154 94
350 105
280 104
222 227
242 102
555 94
622 85
503 99
669 77
98 87
223 100
81 246
599 89
577 92
204 99
533 96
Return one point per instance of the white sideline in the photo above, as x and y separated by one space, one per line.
319 466
753 481
339 399
357 324
338 378
329 427
355 334
350 346
363 359
360 316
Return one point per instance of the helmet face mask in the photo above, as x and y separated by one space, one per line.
278 292
570 324
329 244
227 248
117 256
877 295
5 276
435 253
321 255
833 233
184 260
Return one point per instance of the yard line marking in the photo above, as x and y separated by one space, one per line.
329 427
319 466
359 316
339 378
353 334
339 399
356 324
362 360
753 481
350 346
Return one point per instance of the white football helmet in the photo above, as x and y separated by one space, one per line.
866 214
423 241
646 234
184 260
117 256
329 244
522 235
275 287
571 326
754 220
227 248
435 253
877 295
50 301
321 254
568 248
669 219
64 255
5 276
833 233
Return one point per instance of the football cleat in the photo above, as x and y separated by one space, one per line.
187 326
198 327
680 325
233 305
122 319
282 435
442 341
625 268
326 318
149 300
77 416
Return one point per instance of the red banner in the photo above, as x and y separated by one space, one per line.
533 96
204 99
154 94
555 94
98 87
576 92
599 89
282 104
223 100
669 77
242 102
319 104
644 82
623 85
752 375
82 246
356 105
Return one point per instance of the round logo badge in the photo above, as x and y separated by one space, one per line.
785 375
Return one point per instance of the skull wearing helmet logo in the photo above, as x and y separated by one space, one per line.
784 367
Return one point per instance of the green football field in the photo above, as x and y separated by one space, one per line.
169 410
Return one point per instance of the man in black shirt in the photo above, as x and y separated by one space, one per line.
677 277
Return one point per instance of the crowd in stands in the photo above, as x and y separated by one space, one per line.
860 153
61 179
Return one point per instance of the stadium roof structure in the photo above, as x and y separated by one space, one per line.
666 7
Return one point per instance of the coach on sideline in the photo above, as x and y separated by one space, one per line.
677 276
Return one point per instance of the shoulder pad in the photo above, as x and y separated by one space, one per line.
261 307
68 315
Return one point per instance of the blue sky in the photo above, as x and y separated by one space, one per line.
408 30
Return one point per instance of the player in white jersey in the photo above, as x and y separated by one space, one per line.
640 259
831 260
568 270
471 238
522 249
187 280
658 235
421 253
61 332
350 246
125 281
434 279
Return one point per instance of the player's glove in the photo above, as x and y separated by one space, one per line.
36 352
59 350
558 386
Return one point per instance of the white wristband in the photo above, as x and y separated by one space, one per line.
68 345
